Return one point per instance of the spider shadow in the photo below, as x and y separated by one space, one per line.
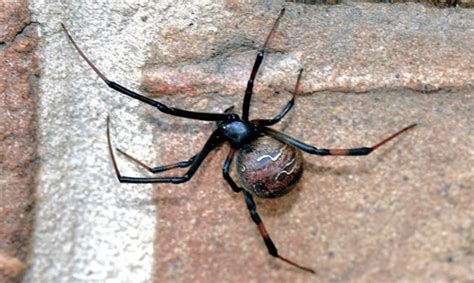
285 203
281 205
185 127
161 201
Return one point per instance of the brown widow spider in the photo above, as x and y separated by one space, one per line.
269 163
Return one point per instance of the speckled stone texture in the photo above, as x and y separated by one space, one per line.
89 227
18 71
437 3
342 48
404 213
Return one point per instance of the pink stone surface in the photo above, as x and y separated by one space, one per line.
342 48
17 136
404 213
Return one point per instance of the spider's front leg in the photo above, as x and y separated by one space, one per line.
195 161
254 215
256 66
286 109
160 106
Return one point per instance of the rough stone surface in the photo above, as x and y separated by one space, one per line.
18 72
89 228
437 3
342 48
404 213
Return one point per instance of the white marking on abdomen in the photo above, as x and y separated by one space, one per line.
271 157
287 172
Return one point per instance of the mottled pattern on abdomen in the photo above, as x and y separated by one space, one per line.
268 168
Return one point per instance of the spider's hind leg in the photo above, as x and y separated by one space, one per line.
214 140
158 169
266 237
254 214
357 151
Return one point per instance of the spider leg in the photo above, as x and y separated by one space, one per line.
324 151
225 171
253 213
263 232
286 109
161 107
158 169
258 61
213 141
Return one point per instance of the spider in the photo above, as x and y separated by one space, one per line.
269 162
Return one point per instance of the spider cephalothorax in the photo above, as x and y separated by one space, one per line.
238 132
269 163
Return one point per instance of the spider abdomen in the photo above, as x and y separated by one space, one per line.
269 168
